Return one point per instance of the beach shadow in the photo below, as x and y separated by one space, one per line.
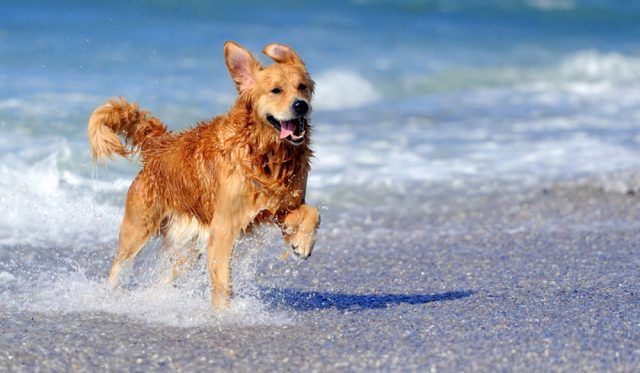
301 300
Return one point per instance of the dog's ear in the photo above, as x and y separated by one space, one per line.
282 53
241 64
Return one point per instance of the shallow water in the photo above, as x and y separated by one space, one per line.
416 102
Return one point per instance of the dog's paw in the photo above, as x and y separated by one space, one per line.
113 283
221 299
302 244
221 303
116 275
301 230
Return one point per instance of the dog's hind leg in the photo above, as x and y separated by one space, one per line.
184 241
141 220
182 260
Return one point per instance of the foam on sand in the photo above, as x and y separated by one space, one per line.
61 280
187 305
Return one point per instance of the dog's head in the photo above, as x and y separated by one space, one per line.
280 93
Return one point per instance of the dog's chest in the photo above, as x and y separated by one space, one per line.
279 187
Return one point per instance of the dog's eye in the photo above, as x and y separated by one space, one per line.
276 90
301 87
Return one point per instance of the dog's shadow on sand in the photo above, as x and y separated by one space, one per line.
301 300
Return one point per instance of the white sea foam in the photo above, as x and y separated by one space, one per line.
342 89
187 305
551 4
6 277
391 161
49 104
594 65
40 208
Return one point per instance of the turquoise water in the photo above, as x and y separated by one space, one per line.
414 98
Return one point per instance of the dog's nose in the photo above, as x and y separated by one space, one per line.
300 107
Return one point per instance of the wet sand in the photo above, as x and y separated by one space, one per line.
546 279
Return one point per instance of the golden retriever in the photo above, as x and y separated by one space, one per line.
213 182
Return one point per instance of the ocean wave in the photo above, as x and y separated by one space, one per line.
588 69
342 89
594 65
48 103
515 156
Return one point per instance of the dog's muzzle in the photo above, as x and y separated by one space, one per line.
292 130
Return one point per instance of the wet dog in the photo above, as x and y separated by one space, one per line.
210 184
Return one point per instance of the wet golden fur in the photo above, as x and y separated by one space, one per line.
213 182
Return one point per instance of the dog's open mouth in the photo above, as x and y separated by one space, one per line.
292 130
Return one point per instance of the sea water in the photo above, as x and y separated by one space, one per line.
415 100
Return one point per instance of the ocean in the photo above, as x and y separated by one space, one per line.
417 102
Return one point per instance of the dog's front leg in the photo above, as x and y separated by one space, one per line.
219 249
299 229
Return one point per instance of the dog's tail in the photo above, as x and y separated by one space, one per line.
120 118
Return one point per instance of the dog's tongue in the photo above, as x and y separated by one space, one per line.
287 128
